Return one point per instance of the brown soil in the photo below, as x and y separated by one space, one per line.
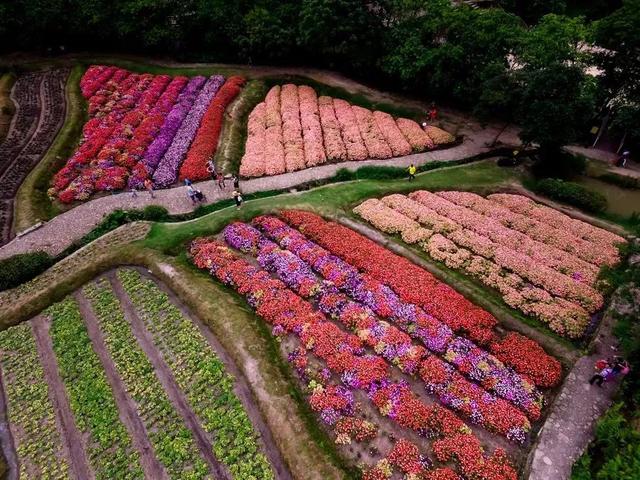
73 439
241 389
126 406
168 382
6 439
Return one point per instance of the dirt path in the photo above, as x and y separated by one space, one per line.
241 387
127 408
168 381
74 443
6 439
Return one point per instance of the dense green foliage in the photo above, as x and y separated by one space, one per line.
572 194
623 181
22 268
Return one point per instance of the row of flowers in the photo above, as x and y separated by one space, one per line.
205 141
343 355
467 231
141 127
549 217
562 316
77 180
445 209
167 171
435 335
417 286
294 129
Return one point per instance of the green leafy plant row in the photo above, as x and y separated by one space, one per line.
172 441
29 408
201 376
571 193
109 447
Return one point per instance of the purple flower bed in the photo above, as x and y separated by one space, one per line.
472 360
172 123
167 171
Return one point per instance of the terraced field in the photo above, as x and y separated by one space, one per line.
118 381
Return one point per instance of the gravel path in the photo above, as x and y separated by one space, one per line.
55 235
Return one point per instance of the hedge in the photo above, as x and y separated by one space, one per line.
572 194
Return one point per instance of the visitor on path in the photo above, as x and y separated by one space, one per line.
148 184
221 181
194 194
237 197
187 182
608 370
433 112
134 192
622 160
412 171
236 182
211 168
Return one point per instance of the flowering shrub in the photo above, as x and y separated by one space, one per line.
385 339
498 267
406 457
438 136
412 283
205 142
356 428
343 355
136 121
294 129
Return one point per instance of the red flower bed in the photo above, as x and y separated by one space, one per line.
406 456
412 283
205 142
528 358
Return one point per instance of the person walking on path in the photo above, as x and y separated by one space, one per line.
221 181
191 192
412 171
433 112
236 182
237 197
211 168
148 184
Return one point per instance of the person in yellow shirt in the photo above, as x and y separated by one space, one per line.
412 171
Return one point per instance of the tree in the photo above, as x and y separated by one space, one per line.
450 51
344 33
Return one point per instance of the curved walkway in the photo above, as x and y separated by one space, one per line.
58 233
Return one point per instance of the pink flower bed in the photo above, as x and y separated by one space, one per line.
294 129
389 128
353 142
536 278
253 164
314 153
373 139
291 129
415 135
333 143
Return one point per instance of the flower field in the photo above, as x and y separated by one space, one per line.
124 355
293 129
542 262
347 314
143 127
